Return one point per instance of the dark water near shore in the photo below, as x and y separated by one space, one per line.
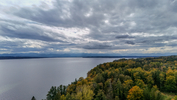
20 79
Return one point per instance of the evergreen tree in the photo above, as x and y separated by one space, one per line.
33 98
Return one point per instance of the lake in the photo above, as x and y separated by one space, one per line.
20 79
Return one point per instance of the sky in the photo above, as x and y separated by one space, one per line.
125 27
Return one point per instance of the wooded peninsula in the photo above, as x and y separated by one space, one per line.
153 78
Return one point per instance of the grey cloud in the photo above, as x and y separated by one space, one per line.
10 45
108 20
97 46
17 46
64 14
72 14
60 46
24 31
174 6
151 39
26 50
130 42
123 36
104 46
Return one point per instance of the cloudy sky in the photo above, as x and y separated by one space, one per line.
88 26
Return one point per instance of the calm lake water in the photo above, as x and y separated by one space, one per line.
20 79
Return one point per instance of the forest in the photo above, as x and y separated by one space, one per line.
152 78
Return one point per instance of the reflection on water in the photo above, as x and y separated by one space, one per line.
20 79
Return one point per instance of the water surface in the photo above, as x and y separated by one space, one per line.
20 79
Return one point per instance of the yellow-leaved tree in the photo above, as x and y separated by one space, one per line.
135 93
84 92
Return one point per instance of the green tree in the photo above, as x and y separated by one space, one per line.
84 93
100 96
155 94
127 85
68 96
146 93
118 89
99 78
162 79
155 75
33 98
52 93
140 83
175 74
170 84
109 89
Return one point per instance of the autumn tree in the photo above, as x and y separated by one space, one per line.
149 80
62 97
140 83
135 93
170 72
131 79
175 98
84 93
127 85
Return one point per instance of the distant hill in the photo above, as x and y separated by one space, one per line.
84 55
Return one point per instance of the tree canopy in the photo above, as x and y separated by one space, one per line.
123 79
